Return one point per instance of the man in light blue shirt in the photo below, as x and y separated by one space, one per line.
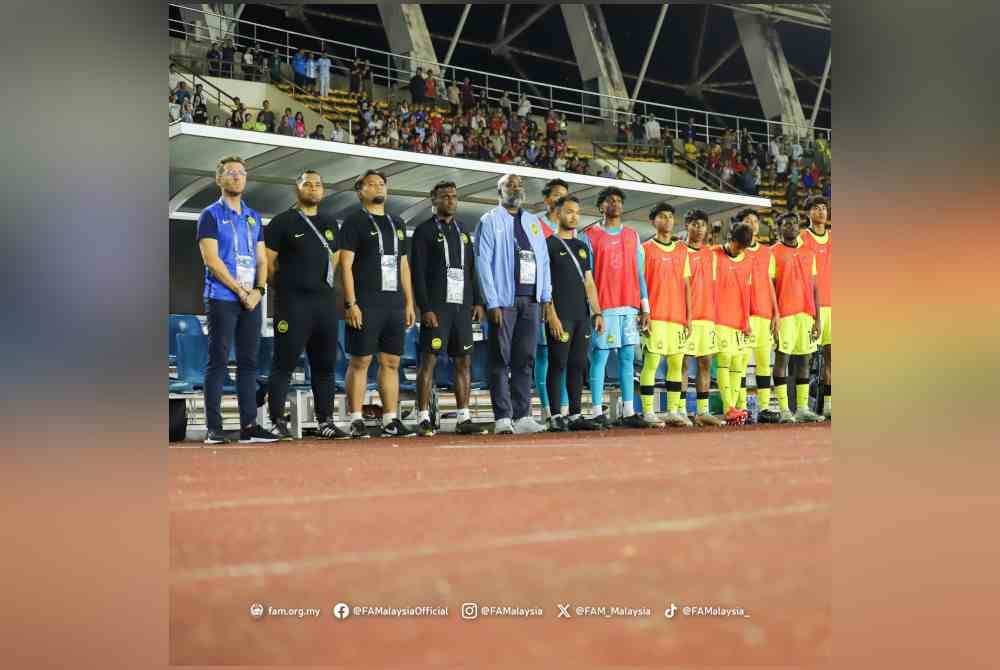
323 67
513 262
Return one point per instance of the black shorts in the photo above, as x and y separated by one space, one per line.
453 334
382 331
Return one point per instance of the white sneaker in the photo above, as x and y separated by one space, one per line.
653 420
526 425
503 427
677 419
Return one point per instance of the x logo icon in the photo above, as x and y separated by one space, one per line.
564 612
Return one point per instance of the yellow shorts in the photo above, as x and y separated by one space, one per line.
761 340
825 335
703 341
665 338
795 335
730 340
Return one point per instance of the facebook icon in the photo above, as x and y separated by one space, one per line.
341 611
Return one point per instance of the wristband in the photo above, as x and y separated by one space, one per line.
261 289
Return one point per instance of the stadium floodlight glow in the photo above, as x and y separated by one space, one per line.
397 155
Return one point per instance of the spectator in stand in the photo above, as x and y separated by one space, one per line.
263 65
689 132
312 72
781 164
214 57
691 151
826 189
796 149
182 94
355 76
174 78
727 172
198 98
791 195
606 172
457 143
524 106
300 125
652 130
430 87
468 96
201 113
668 148
318 133
173 109
621 136
323 65
275 63
230 124
366 79
338 134
266 116
227 59
454 99
774 148
299 68
505 105
418 87
248 65
638 136
285 125
794 172
248 122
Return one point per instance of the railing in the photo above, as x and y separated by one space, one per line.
394 70
188 74
603 149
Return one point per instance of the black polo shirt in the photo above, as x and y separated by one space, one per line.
569 297
302 258
358 235
427 266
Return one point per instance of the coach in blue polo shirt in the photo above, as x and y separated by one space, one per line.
232 246
513 271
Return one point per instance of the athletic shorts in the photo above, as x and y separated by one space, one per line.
619 330
665 338
825 335
453 334
382 331
761 340
703 339
731 340
795 335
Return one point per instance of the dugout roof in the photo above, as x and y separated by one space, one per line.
275 161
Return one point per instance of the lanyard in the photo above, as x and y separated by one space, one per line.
381 245
447 253
236 238
318 236
517 245
576 263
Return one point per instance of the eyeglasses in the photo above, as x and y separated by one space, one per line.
235 173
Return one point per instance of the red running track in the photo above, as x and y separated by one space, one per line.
731 518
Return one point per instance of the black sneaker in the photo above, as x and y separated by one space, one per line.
468 428
216 437
601 421
255 434
426 429
557 424
768 416
281 431
359 430
395 428
582 423
634 421
328 430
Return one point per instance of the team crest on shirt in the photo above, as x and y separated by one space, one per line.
282 326
436 343
564 337
465 238
583 254
534 229
329 234
250 220
611 339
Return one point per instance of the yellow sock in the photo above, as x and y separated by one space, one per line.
802 396
647 381
723 378
763 369
736 371
702 405
675 366
781 393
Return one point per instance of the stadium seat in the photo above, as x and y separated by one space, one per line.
180 323
192 357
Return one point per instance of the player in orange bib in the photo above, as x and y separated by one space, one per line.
667 273
732 317
701 344
800 324
763 320
817 237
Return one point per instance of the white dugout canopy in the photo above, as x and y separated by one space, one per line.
275 161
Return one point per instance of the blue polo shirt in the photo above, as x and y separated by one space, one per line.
219 222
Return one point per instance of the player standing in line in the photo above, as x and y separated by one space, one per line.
763 319
800 322
667 274
553 190
732 317
702 343
621 290
817 237
574 306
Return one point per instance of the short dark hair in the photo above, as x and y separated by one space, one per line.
812 201
695 215
661 207
607 193
744 213
551 184
440 185
369 173
566 198
302 176
742 233
788 216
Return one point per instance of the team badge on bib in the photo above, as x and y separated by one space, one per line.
329 234
436 343
282 326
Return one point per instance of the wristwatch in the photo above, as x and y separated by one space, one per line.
348 304
262 289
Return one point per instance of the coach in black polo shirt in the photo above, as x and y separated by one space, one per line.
378 301
302 258
443 266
